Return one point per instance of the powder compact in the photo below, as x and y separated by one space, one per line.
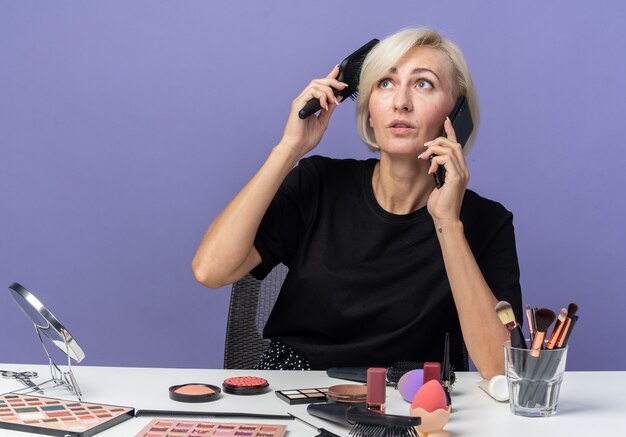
351 393
194 392
245 385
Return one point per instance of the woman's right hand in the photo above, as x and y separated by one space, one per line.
302 136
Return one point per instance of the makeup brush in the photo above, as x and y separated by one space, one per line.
366 423
572 309
322 431
530 316
544 318
507 317
558 327
208 414
445 369
350 73
574 319
549 367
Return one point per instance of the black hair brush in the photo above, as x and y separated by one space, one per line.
349 72
394 373
366 423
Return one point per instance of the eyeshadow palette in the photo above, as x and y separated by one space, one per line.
303 395
166 428
58 417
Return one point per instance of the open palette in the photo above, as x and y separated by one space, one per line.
58 417
163 428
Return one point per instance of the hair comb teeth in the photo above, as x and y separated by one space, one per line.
350 73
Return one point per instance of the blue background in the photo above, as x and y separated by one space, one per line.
127 126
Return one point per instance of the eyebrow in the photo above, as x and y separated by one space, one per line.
416 70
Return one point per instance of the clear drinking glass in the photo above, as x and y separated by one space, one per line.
534 379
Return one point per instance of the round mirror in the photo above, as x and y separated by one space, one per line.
45 322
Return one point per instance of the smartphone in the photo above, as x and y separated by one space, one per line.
463 125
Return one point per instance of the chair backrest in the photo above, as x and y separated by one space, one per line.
251 302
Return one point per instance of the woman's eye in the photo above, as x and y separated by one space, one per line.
424 84
384 83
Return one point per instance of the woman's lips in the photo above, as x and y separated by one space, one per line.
401 127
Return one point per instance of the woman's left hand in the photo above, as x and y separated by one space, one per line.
445 203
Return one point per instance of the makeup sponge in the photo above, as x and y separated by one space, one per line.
410 383
430 397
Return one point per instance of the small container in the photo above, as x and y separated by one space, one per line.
534 379
194 392
349 393
245 385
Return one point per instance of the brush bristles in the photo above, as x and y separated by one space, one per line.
544 318
572 309
362 430
505 313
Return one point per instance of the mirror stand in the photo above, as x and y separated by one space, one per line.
58 378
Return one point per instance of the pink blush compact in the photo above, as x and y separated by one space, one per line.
245 385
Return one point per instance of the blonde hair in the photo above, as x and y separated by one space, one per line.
387 53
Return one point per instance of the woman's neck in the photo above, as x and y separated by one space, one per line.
401 186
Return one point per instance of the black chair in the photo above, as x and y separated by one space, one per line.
251 302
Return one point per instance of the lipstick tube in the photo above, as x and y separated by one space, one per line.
376 389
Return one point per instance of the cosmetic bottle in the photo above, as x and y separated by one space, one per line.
376 389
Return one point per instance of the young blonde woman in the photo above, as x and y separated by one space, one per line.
381 262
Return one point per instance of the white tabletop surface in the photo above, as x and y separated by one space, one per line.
592 403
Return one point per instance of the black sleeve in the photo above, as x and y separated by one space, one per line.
286 218
500 267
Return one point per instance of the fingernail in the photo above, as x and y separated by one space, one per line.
420 155
430 171
336 101
345 84
427 143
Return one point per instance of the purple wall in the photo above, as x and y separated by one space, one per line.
126 126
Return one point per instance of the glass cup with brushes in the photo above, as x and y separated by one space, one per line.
534 374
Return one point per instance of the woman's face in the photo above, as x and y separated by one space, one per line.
409 104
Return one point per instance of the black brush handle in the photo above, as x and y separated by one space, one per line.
358 374
172 413
336 412
545 370
517 338
550 367
313 105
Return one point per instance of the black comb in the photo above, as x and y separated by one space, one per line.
349 72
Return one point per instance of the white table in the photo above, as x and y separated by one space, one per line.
592 403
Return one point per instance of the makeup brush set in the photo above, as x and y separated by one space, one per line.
538 364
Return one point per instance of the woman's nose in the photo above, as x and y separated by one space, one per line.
402 100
